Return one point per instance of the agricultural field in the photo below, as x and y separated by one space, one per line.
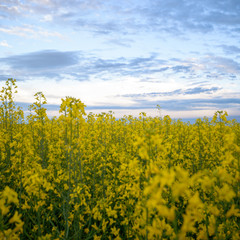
80 176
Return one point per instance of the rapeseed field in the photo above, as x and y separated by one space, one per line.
92 176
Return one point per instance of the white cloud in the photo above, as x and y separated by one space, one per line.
5 44
30 31
47 18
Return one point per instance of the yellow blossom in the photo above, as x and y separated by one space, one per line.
115 231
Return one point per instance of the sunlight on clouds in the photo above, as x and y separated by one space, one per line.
30 31
90 92
121 91
93 92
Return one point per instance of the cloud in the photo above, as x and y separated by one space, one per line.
198 90
202 16
209 66
46 63
30 31
46 9
84 66
230 49
77 65
5 44
9 9
42 60
122 66
177 92
174 17
15 8
178 104
47 18
222 64
4 77
191 104
122 42
181 68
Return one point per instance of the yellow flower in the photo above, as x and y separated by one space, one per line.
117 238
15 218
233 212
97 237
195 201
10 195
225 193
143 153
115 231
112 221
111 212
164 211
95 226
4 209
46 237
214 210
212 225
104 225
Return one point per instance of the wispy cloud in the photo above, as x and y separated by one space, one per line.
175 16
9 9
177 92
78 64
81 65
202 16
221 64
30 32
179 104
122 42
191 104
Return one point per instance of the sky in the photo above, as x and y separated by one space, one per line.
127 56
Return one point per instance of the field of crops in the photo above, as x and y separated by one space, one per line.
95 177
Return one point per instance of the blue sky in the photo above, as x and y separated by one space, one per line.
125 56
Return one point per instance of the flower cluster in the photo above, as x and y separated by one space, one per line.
92 176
